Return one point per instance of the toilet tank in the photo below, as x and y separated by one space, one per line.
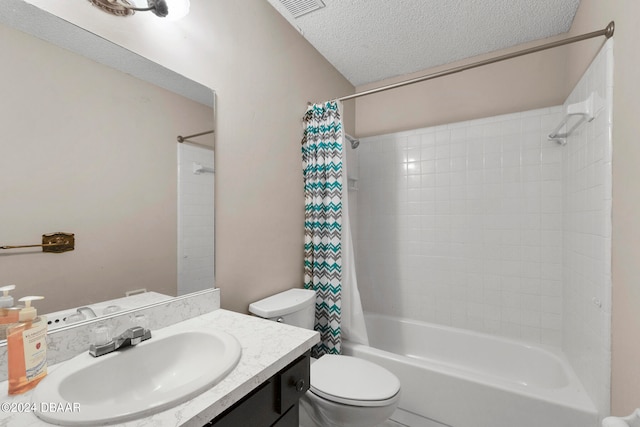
295 307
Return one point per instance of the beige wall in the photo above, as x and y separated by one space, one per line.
264 73
594 14
525 83
271 73
88 150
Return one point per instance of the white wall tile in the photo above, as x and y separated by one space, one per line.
587 239
477 217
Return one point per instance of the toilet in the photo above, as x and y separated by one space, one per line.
632 420
345 391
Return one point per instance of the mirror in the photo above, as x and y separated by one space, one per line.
91 149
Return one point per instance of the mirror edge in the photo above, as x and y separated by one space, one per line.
32 20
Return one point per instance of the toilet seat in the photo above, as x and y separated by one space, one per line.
353 381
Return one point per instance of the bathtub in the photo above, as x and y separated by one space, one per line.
459 378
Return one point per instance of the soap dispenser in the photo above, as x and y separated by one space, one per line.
27 348
8 313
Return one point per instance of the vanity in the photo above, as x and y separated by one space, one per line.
274 403
262 390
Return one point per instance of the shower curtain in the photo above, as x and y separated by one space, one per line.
322 161
353 326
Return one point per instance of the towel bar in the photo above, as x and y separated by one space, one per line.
53 242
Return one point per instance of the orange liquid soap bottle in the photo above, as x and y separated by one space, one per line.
27 348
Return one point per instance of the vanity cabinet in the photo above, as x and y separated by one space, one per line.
272 404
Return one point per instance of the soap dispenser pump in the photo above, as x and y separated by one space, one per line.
6 300
8 313
27 348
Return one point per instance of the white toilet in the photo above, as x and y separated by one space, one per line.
632 420
345 391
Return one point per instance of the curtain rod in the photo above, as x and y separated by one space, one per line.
607 32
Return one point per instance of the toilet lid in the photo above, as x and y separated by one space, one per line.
353 381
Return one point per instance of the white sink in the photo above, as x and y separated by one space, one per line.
138 381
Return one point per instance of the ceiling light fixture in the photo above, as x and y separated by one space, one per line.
170 9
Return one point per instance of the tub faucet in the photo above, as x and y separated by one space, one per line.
87 312
129 338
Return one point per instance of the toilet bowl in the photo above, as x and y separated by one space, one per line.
344 391
632 420
347 391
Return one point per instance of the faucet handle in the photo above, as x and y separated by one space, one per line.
75 317
141 320
101 335
101 342
87 312
137 334
133 334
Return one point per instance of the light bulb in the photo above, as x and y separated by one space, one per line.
177 9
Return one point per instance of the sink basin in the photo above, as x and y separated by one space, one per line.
164 371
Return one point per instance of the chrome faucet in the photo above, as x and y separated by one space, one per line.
129 338
87 312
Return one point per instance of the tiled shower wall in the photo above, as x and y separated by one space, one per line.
587 235
461 225
195 220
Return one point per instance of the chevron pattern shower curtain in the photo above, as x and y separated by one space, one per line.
322 169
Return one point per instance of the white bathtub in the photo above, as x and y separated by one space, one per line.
460 378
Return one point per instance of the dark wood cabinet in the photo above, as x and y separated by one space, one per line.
274 403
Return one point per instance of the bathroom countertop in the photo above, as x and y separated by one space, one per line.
267 347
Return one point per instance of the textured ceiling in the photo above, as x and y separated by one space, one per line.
371 40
